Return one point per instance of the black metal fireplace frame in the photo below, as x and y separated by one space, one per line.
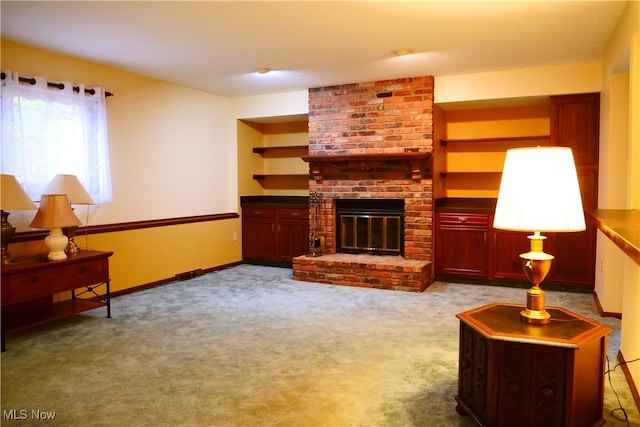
371 208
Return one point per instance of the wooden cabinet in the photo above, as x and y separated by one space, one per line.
505 262
462 244
258 233
275 229
514 373
292 233
28 287
575 123
467 246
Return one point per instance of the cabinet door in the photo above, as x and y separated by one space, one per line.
531 384
292 233
575 123
507 247
575 253
293 240
462 247
258 235
574 259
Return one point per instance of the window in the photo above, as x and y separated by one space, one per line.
48 131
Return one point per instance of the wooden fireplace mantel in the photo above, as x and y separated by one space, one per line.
321 164
409 156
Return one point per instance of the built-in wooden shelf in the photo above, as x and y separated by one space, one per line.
445 174
261 176
283 181
444 142
282 151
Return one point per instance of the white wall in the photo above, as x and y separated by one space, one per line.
273 105
619 283
612 183
171 146
171 154
525 82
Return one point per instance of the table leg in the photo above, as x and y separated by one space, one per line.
108 299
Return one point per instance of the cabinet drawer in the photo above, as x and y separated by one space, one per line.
25 286
81 274
299 214
259 212
463 220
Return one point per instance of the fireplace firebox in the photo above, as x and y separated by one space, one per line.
371 226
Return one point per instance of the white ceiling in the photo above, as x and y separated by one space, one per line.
216 45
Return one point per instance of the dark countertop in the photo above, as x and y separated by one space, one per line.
464 204
276 201
622 226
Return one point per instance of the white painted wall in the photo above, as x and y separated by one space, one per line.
620 138
525 82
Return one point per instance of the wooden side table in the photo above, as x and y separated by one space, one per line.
28 287
514 373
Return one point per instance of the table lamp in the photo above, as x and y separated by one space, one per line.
77 195
539 192
13 198
54 213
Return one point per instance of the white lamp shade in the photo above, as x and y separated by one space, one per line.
13 197
539 191
72 187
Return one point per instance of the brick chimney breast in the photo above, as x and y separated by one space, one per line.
386 116
374 140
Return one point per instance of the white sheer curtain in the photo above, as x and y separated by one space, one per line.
48 131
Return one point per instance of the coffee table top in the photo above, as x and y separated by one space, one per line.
501 321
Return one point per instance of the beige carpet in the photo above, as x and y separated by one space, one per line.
248 346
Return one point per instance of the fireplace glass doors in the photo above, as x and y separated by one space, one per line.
372 226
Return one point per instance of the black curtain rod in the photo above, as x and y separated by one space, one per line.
76 89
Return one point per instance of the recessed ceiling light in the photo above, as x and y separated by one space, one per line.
263 70
402 51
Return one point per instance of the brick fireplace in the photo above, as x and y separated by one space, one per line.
372 140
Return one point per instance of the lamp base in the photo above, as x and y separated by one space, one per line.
7 259
7 234
70 232
56 242
535 312
536 265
